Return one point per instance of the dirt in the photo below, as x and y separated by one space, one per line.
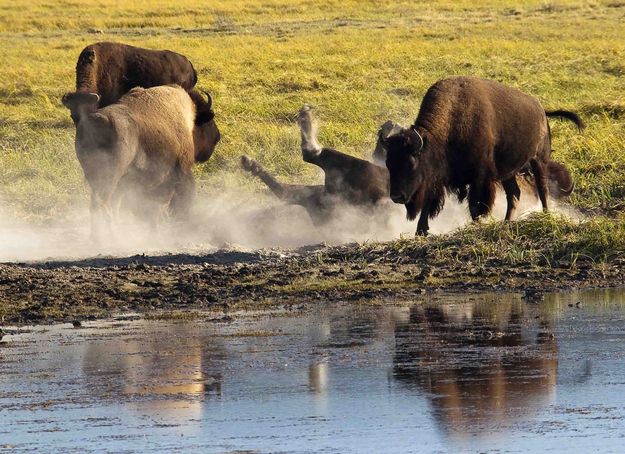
226 281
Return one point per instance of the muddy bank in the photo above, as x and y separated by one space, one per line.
231 280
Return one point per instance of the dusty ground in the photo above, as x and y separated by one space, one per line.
229 280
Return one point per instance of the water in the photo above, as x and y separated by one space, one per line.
485 373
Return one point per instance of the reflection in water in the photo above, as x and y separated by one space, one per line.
477 374
477 363
318 378
176 372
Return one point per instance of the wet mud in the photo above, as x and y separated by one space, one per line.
486 372
53 291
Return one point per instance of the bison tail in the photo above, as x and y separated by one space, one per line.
569 116
563 184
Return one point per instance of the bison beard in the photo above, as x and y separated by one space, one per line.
469 135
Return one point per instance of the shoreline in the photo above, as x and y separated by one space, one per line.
378 273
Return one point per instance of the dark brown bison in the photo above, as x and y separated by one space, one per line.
147 141
113 69
470 134
348 179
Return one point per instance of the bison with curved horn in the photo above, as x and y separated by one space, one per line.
112 69
470 134
147 141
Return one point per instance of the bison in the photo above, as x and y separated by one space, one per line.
348 179
470 134
112 69
148 140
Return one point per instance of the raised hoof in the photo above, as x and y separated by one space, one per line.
246 163
304 117
250 165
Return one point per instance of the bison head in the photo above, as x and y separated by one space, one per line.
403 152
80 103
205 133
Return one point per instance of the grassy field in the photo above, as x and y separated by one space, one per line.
358 62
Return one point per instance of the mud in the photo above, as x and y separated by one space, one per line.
480 373
54 291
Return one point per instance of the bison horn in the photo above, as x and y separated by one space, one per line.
419 138
70 100
209 99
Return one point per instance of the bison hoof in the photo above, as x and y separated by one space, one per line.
250 165
246 163
304 116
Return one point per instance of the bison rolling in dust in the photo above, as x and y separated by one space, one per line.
470 134
113 69
348 180
147 143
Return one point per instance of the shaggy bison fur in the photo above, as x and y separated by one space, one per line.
470 134
113 69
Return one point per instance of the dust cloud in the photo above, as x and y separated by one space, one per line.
227 219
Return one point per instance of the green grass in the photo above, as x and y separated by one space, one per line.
541 239
359 62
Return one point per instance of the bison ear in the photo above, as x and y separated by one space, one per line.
204 116
71 100
66 100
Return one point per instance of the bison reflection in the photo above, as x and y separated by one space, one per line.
477 364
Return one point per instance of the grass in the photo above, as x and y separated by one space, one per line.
541 239
359 62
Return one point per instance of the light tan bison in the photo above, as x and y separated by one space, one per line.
147 142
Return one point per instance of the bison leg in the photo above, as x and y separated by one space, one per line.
481 198
310 147
294 194
101 217
540 177
252 166
103 185
423 226
183 194
513 194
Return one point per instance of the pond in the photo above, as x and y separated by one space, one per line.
475 372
